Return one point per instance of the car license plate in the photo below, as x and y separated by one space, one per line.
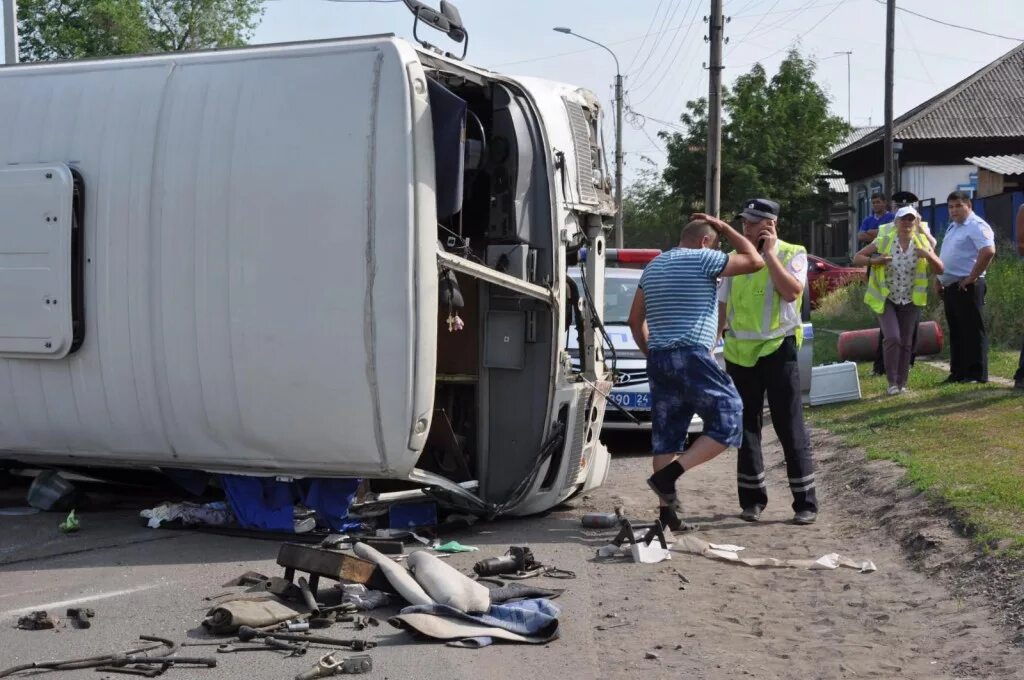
640 401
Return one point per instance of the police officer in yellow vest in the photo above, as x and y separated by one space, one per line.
760 316
898 288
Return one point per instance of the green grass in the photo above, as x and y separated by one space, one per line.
962 444
844 309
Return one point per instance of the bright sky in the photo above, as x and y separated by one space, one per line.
660 45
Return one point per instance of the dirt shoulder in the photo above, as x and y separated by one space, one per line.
923 614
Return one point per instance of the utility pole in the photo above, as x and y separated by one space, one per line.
10 32
712 192
890 54
619 237
849 95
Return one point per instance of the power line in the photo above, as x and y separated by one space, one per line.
650 28
752 28
798 36
676 127
781 11
913 45
664 71
946 23
771 27
657 41
565 54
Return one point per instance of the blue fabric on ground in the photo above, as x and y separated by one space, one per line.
265 503
332 498
260 502
534 618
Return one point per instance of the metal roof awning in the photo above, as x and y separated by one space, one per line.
1003 165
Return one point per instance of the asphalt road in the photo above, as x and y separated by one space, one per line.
144 581
691 617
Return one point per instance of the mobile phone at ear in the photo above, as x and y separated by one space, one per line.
760 245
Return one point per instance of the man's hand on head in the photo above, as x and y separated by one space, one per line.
715 223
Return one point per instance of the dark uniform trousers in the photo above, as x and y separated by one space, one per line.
968 338
778 375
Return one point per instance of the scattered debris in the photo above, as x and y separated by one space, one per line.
651 655
246 633
599 520
70 523
39 620
215 514
455 547
330 664
137 661
227 617
640 538
518 563
50 491
81 616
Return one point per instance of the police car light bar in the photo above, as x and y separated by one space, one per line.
625 255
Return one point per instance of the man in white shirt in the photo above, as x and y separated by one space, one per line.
967 249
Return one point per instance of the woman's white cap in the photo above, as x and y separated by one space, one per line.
906 210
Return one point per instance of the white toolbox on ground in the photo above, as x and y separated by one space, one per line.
834 383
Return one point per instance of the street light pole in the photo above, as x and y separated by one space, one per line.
10 32
619 237
849 96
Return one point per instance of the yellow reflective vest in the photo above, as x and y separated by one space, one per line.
757 317
878 289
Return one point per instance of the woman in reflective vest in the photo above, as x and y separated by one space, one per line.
898 288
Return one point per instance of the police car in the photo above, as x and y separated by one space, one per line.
631 390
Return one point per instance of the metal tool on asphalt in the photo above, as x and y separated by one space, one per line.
518 564
330 664
308 597
81 616
269 644
246 633
136 657
144 671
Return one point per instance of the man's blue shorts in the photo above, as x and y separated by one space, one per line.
688 380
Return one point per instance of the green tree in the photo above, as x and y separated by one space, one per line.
78 29
651 213
775 141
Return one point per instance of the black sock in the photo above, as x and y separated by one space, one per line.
671 472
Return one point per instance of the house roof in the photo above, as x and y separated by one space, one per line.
985 105
1004 165
855 135
837 185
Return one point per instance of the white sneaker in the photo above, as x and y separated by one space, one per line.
903 390
893 390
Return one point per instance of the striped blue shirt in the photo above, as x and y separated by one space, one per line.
680 297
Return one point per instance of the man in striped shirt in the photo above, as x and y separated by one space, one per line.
674 320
